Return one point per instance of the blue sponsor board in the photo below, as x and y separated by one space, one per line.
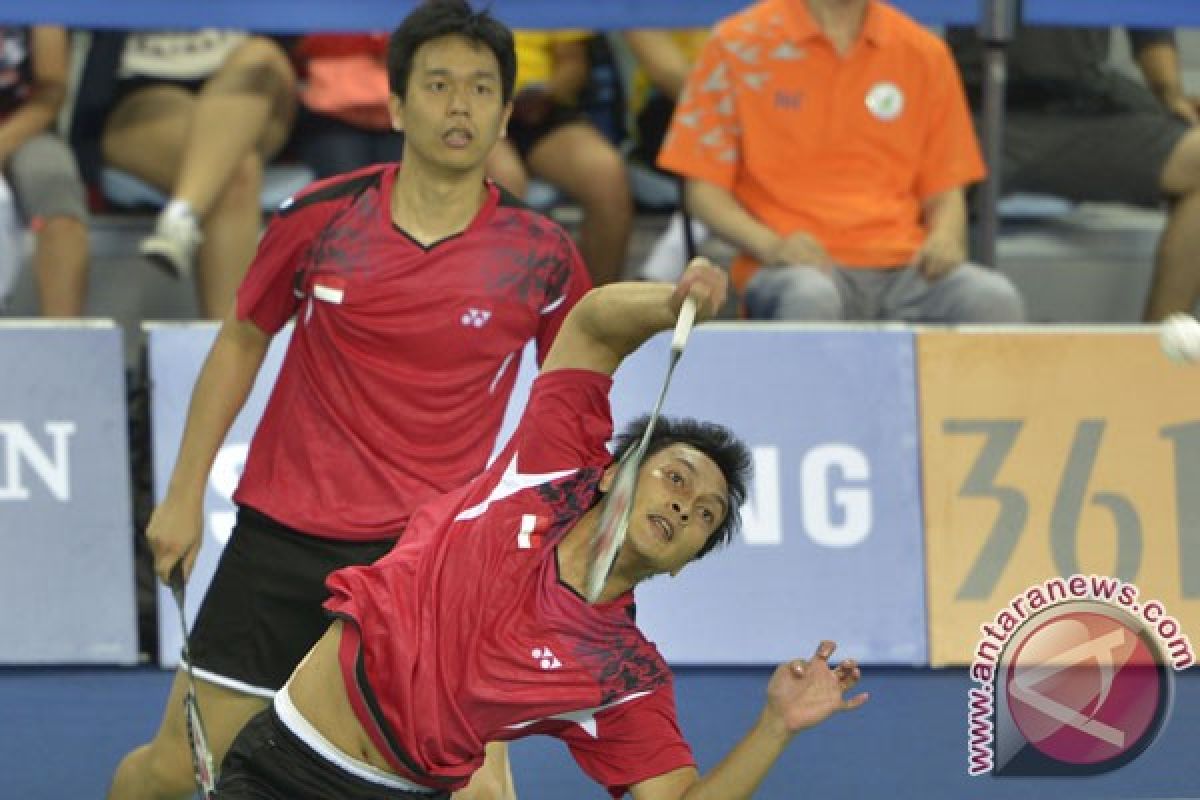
66 528
832 541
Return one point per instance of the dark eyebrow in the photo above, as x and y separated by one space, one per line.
446 71
692 467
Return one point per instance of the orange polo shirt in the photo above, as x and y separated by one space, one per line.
844 148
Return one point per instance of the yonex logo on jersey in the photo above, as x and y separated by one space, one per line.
476 317
546 658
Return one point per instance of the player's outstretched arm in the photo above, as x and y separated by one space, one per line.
175 527
800 694
612 321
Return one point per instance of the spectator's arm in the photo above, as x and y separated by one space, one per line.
49 53
945 246
717 208
665 63
1158 58
570 71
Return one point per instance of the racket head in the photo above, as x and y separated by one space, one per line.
613 524
202 762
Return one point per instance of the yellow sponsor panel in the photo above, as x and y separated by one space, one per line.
1052 454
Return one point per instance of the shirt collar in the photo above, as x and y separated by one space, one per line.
805 28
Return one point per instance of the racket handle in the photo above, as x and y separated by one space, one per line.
683 325
175 581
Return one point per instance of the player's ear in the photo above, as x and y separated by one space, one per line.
396 111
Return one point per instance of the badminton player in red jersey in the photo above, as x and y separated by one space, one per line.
413 288
474 629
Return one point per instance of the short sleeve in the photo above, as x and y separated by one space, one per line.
266 296
571 282
703 141
950 158
633 742
566 424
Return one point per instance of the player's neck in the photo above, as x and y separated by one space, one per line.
572 553
430 205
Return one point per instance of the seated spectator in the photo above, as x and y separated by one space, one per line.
548 135
1078 128
830 141
664 60
197 115
39 165
344 122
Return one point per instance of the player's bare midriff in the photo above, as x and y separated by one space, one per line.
318 693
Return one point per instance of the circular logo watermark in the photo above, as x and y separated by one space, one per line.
885 101
1080 688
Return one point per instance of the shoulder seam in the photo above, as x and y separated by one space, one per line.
351 187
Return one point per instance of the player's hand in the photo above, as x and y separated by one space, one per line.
802 693
174 534
705 283
939 256
799 249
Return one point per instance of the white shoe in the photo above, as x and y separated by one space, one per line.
172 246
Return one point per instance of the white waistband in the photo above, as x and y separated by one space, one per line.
306 733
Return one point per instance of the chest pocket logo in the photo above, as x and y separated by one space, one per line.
885 101
476 317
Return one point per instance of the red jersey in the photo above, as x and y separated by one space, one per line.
464 634
402 358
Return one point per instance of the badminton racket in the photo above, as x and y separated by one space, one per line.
618 503
202 762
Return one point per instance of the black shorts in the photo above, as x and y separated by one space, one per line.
525 137
1110 149
262 611
267 761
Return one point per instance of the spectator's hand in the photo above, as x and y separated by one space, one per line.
174 534
939 256
532 105
802 693
798 249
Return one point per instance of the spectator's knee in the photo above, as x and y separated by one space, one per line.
987 297
793 293
257 66
1181 173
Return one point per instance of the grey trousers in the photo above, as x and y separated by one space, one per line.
968 294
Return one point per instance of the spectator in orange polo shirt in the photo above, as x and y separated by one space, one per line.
830 141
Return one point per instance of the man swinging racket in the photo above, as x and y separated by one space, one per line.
476 628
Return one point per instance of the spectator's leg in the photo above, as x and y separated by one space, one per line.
581 162
968 294
144 134
60 262
230 238
793 293
1176 283
47 183
505 168
245 107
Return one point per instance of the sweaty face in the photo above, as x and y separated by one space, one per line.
453 110
681 499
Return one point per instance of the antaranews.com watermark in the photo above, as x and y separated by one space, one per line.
1075 677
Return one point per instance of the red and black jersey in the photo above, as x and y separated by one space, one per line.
402 357
464 634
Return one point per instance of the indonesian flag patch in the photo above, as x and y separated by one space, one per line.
329 288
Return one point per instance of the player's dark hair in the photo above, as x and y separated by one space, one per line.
727 451
434 19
